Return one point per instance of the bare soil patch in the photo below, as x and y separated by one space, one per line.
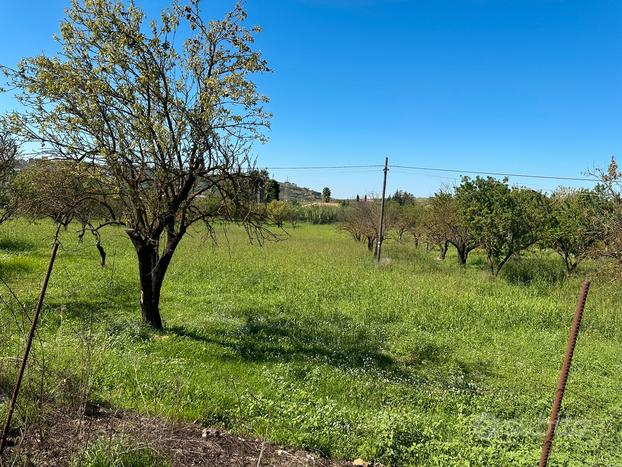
59 437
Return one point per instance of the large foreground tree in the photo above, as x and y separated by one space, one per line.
165 110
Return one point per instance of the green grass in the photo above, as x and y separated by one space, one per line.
307 343
118 452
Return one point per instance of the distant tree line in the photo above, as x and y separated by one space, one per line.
502 221
480 213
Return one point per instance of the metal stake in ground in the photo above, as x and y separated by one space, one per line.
559 395
31 335
381 226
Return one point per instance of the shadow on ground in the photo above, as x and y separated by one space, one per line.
339 342
16 245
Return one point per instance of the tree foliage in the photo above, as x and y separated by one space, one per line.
8 160
578 224
503 221
326 194
273 191
611 189
403 198
446 225
278 212
408 219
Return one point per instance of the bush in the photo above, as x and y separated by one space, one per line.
315 214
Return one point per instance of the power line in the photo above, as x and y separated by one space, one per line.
438 169
327 167
474 172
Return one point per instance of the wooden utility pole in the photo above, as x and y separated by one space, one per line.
381 226
31 335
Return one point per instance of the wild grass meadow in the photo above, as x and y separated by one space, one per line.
307 343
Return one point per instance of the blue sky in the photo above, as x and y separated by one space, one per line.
530 86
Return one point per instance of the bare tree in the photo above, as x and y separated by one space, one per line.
362 221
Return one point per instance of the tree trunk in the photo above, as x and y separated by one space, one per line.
463 254
152 268
150 284
444 247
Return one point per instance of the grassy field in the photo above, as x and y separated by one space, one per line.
307 343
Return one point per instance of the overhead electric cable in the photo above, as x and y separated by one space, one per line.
438 169
475 172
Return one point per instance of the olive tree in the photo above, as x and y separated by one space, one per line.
166 110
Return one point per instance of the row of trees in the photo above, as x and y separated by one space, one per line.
502 221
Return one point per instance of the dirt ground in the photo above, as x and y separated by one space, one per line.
60 436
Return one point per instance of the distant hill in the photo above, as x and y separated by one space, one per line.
292 192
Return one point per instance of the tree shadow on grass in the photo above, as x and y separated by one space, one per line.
16 245
536 270
15 267
109 308
339 342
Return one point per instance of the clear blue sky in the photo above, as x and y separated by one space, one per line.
502 85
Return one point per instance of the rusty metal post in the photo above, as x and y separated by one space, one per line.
563 378
31 335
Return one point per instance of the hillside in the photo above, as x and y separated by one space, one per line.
292 192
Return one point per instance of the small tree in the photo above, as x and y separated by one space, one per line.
434 225
278 212
168 123
611 188
449 222
408 220
578 224
503 221
273 191
62 191
8 161
326 194
403 198
362 221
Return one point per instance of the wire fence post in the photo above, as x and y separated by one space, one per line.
563 378
31 334
381 226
